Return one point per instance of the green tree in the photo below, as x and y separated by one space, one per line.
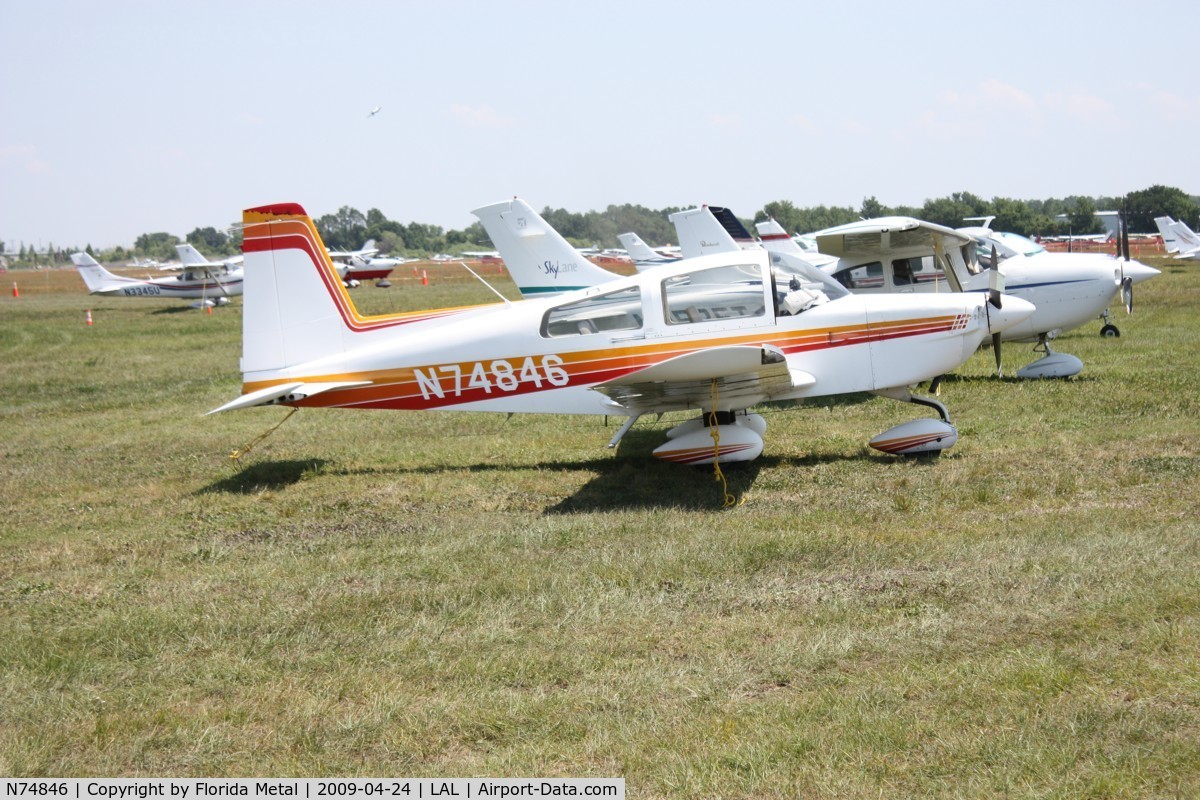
872 208
1158 201
209 239
156 245
345 230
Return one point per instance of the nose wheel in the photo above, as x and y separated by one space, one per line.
1108 330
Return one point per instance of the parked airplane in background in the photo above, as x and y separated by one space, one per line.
703 335
541 262
902 254
644 256
1178 238
208 282
355 266
1017 253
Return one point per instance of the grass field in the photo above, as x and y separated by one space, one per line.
386 594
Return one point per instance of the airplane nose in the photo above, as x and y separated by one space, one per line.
1012 311
1139 272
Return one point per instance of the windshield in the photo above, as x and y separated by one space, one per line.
1019 244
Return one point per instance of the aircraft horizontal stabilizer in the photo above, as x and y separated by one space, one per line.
285 392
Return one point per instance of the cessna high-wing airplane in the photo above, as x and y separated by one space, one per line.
1178 238
704 334
1029 262
905 255
208 282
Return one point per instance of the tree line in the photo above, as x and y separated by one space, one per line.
348 228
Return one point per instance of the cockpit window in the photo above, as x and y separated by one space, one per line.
714 294
864 276
1019 244
614 311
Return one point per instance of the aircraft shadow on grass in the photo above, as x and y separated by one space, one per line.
264 475
633 480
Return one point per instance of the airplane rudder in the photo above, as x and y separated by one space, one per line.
295 308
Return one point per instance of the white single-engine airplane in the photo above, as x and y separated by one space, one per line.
1078 280
905 255
208 282
717 334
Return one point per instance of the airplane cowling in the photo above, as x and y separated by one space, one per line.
1052 365
737 443
917 436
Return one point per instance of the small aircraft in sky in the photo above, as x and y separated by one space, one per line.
705 335
210 283
374 111
1179 240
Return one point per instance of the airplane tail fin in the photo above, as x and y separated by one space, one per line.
1166 229
95 277
642 254
1186 237
540 261
296 309
776 239
190 256
711 229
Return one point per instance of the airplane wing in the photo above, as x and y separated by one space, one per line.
743 375
873 236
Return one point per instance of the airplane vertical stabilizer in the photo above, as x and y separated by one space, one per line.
190 256
296 309
541 262
775 239
95 277
703 231
642 255
1187 238
1166 229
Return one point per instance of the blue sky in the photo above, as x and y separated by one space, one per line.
121 118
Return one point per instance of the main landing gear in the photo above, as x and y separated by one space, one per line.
920 435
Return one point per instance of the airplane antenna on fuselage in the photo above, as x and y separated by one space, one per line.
485 283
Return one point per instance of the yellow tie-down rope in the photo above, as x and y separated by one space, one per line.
236 455
713 428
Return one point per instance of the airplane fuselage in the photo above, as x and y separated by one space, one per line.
183 287
546 355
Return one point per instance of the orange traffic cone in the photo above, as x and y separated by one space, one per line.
424 278
88 318
16 291
208 309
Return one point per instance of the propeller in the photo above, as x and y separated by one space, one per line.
1123 245
995 289
995 279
